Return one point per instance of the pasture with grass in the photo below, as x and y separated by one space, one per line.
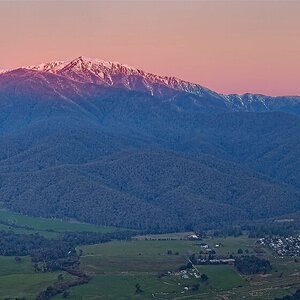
47 227
18 279
155 266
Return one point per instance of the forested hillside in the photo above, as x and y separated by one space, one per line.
170 160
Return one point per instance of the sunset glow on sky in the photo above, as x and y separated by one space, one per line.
228 46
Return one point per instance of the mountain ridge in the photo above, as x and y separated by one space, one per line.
74 146
114 74
56 67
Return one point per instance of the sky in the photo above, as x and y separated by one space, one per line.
228 46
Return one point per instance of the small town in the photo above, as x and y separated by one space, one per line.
283 246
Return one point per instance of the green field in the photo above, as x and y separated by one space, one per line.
231 244
50 228
122 286
222 277
118 266
18 279
135 256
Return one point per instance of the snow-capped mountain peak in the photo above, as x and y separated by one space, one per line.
85 70
96 71
84 75
94 62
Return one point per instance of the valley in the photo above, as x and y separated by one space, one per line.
150 264
149 150
107 171
142 262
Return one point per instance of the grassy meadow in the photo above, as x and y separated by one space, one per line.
18 279
50 228
118 266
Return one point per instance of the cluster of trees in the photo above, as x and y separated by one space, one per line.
187 266
257 230
170 252
85 238
228 231
61 287
138 289
40 248
252 265
204 277
55 252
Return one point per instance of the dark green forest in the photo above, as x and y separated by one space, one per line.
112 156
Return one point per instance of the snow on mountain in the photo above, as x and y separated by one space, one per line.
97 71
114 74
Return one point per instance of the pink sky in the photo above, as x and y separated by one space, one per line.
228 46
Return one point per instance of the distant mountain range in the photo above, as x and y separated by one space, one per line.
106 143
